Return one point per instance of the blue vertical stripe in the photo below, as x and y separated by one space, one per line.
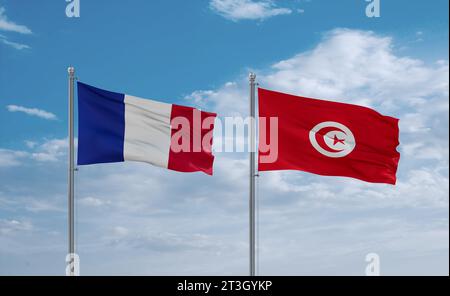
101 125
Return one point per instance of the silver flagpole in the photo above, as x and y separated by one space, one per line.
252 78
71 203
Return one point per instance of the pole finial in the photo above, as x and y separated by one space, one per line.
252 77
71 70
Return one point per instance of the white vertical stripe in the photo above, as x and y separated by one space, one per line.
147 131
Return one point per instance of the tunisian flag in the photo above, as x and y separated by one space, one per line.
327 138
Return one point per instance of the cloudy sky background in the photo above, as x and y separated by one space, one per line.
133 218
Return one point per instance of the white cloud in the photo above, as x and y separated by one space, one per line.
236 10
8 25
419 36
50 150
229 99
426 149
119 232
90 201
32 112
11 226
359 67
414 123
15 45
10 158
160 242
43 205
31 144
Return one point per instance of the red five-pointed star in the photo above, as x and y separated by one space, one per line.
336 140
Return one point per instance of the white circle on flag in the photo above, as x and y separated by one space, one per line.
339 140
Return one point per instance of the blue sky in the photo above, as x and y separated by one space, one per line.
198 53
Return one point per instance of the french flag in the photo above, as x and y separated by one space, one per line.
115 127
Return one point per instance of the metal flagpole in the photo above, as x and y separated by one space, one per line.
252 208
71 203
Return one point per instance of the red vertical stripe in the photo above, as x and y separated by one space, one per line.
193 160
